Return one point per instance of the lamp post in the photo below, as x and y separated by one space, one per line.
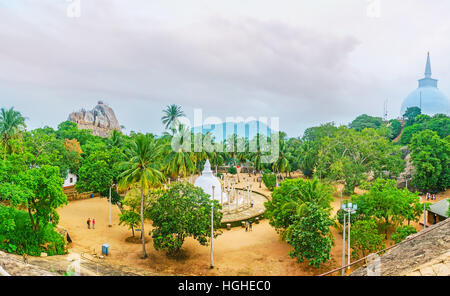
350 209
212 228
343 243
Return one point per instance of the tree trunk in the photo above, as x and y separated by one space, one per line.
144 254
32 220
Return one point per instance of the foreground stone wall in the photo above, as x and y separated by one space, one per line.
424 253
15 267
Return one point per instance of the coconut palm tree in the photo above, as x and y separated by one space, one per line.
309 191
142 170
216 159
11 123
171 115
179 159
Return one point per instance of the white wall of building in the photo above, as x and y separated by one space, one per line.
70 180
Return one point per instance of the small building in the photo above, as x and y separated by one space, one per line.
70 180
438 211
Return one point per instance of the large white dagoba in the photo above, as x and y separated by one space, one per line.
207 180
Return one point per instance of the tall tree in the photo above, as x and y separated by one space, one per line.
290 200
183 211
11 123
310 236
171 115
142 169
431 157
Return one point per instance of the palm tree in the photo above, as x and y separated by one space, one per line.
178 159
171 115
310 191
115 139
142 169
282 163
11 123
216 159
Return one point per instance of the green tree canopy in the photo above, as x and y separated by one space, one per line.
351 156
310 236
365 238
388 205
365 121
183 211
431 157
289 201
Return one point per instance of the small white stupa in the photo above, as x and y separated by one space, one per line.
207 180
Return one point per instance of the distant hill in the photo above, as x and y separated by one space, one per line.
101 120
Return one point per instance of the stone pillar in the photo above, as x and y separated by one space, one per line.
237 201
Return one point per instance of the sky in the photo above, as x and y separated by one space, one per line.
305 62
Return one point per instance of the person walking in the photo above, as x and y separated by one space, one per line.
93 223
251 203
246 226
89 223
251 227
428 196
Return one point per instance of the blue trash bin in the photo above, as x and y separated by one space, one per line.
105 249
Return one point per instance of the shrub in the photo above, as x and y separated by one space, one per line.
402 232
232 170
270 180
18 237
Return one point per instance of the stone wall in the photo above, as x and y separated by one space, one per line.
15 267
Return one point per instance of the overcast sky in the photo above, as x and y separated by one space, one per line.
306 62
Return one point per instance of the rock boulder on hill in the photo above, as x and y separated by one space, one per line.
101 120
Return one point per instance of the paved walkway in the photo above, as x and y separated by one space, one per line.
245 212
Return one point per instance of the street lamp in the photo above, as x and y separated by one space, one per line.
212 228
350 209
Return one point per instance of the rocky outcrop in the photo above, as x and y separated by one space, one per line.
101 120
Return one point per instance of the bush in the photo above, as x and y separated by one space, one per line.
402 232
270 180
232 170
17 236
396 127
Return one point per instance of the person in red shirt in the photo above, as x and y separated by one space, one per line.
93 223
89 223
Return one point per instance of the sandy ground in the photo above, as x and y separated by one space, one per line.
236 252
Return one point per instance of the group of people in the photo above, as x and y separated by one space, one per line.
248 226
90 222
431 196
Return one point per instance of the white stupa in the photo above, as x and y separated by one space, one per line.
207 180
